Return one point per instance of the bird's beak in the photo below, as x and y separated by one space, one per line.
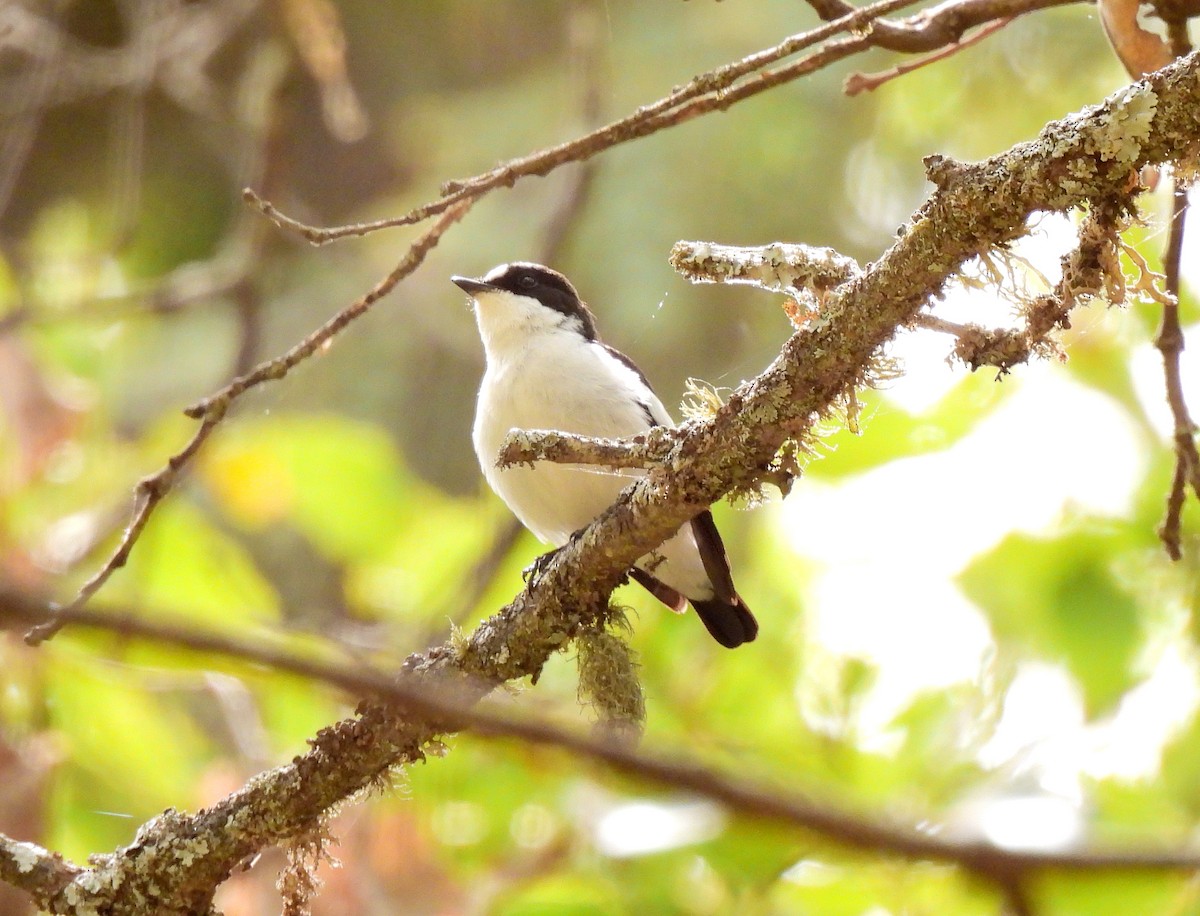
471 286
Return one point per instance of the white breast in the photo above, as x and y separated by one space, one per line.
564 382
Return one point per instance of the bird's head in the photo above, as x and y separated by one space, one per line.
516 301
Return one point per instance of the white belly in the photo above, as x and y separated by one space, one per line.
553 500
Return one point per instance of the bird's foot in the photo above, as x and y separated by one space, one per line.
535 570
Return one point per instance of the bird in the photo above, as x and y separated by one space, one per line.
546 368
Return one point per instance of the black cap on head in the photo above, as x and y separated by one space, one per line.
549 287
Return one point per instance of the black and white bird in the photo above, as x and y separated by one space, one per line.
547 369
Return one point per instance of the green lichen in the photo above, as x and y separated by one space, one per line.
608 681
1126 127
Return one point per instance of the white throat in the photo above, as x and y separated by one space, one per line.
509 324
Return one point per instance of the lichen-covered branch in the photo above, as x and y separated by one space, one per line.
1092 269
525 446
810 274
779 267
37 871
50 880
1088 159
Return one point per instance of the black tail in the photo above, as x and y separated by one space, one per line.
730 624
725 614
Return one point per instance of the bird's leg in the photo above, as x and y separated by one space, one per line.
535 570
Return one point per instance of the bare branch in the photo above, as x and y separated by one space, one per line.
856 83
423 695
1169 341
937 26
715 90
211 411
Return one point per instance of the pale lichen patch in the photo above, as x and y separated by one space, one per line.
26 855
778 267
1126 126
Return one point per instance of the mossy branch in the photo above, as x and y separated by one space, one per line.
1089 159
606 680
525 446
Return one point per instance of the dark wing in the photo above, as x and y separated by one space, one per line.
712 554
725 615
647 408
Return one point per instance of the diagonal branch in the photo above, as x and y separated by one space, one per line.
937 26
856 83
45 875
715 90
151 490
37 871
1089 158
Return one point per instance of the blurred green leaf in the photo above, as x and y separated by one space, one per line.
1117 894
752 854
890 432
187 567
1058 597
131 752
855 887
1097 349
1143 812
1181 767
340 481
564 893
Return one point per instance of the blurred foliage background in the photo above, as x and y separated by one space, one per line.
967 619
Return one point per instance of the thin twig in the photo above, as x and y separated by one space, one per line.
937 26
151 490
280 366
843 827
711 91
1169 341
934 323
856 83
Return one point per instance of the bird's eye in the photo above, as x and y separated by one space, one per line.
527 282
